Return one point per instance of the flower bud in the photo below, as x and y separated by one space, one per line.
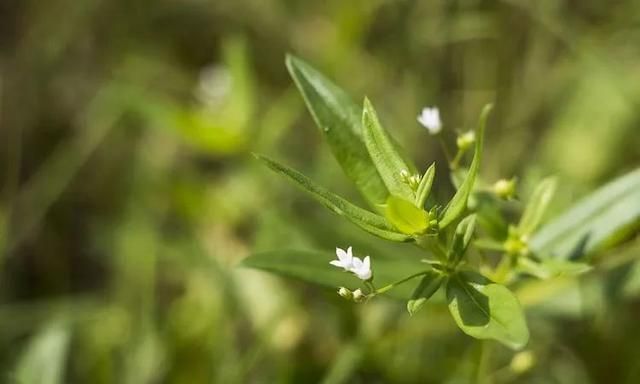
522 361
358 296
516 244
344 292
466 140
505 189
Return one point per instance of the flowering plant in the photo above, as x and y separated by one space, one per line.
470 250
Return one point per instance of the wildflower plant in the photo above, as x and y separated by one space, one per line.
471 252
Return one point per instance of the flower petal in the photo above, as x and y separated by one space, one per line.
366 263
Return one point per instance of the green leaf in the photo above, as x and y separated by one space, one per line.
486 310
600 220
549 268
537 206
425 186
339 120
366 220
458 203
389 163
45 358
423 292
461 238
314 267
405 216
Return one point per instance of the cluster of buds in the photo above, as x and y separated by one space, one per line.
413 181
358 296
516 244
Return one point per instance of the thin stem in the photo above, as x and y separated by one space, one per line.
454 163
393 285
447 155
370 286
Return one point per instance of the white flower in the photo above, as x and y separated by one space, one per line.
430 119
345 259
362 268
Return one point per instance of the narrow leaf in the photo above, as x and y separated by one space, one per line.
458 203
339 120
461 238
425 186
423 292
385 157
405 216
549 268
537 206
45 357
486 310
603 219
366 220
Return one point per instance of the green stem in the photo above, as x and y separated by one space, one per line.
447 155
429 243
393 285
453 165
369 284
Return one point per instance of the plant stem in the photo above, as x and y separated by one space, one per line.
393 285
453 165
447 155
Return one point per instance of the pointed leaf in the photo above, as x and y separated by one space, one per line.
366 220
486 310
385 156
549 268
339 120
405 216
423 292
461 238
44 360
603 219
425 186
458 203
537 206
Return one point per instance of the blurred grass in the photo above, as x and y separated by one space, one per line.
128 196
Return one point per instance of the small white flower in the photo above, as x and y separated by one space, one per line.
430 119
345 259
362 268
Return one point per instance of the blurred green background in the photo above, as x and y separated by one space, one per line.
129 196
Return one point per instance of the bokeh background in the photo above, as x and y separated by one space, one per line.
129 196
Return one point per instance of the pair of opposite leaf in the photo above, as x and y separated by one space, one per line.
371 160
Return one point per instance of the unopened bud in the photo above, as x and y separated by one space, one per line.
344 292
516 244
413 181
466 140
522 361
358 296
505 189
